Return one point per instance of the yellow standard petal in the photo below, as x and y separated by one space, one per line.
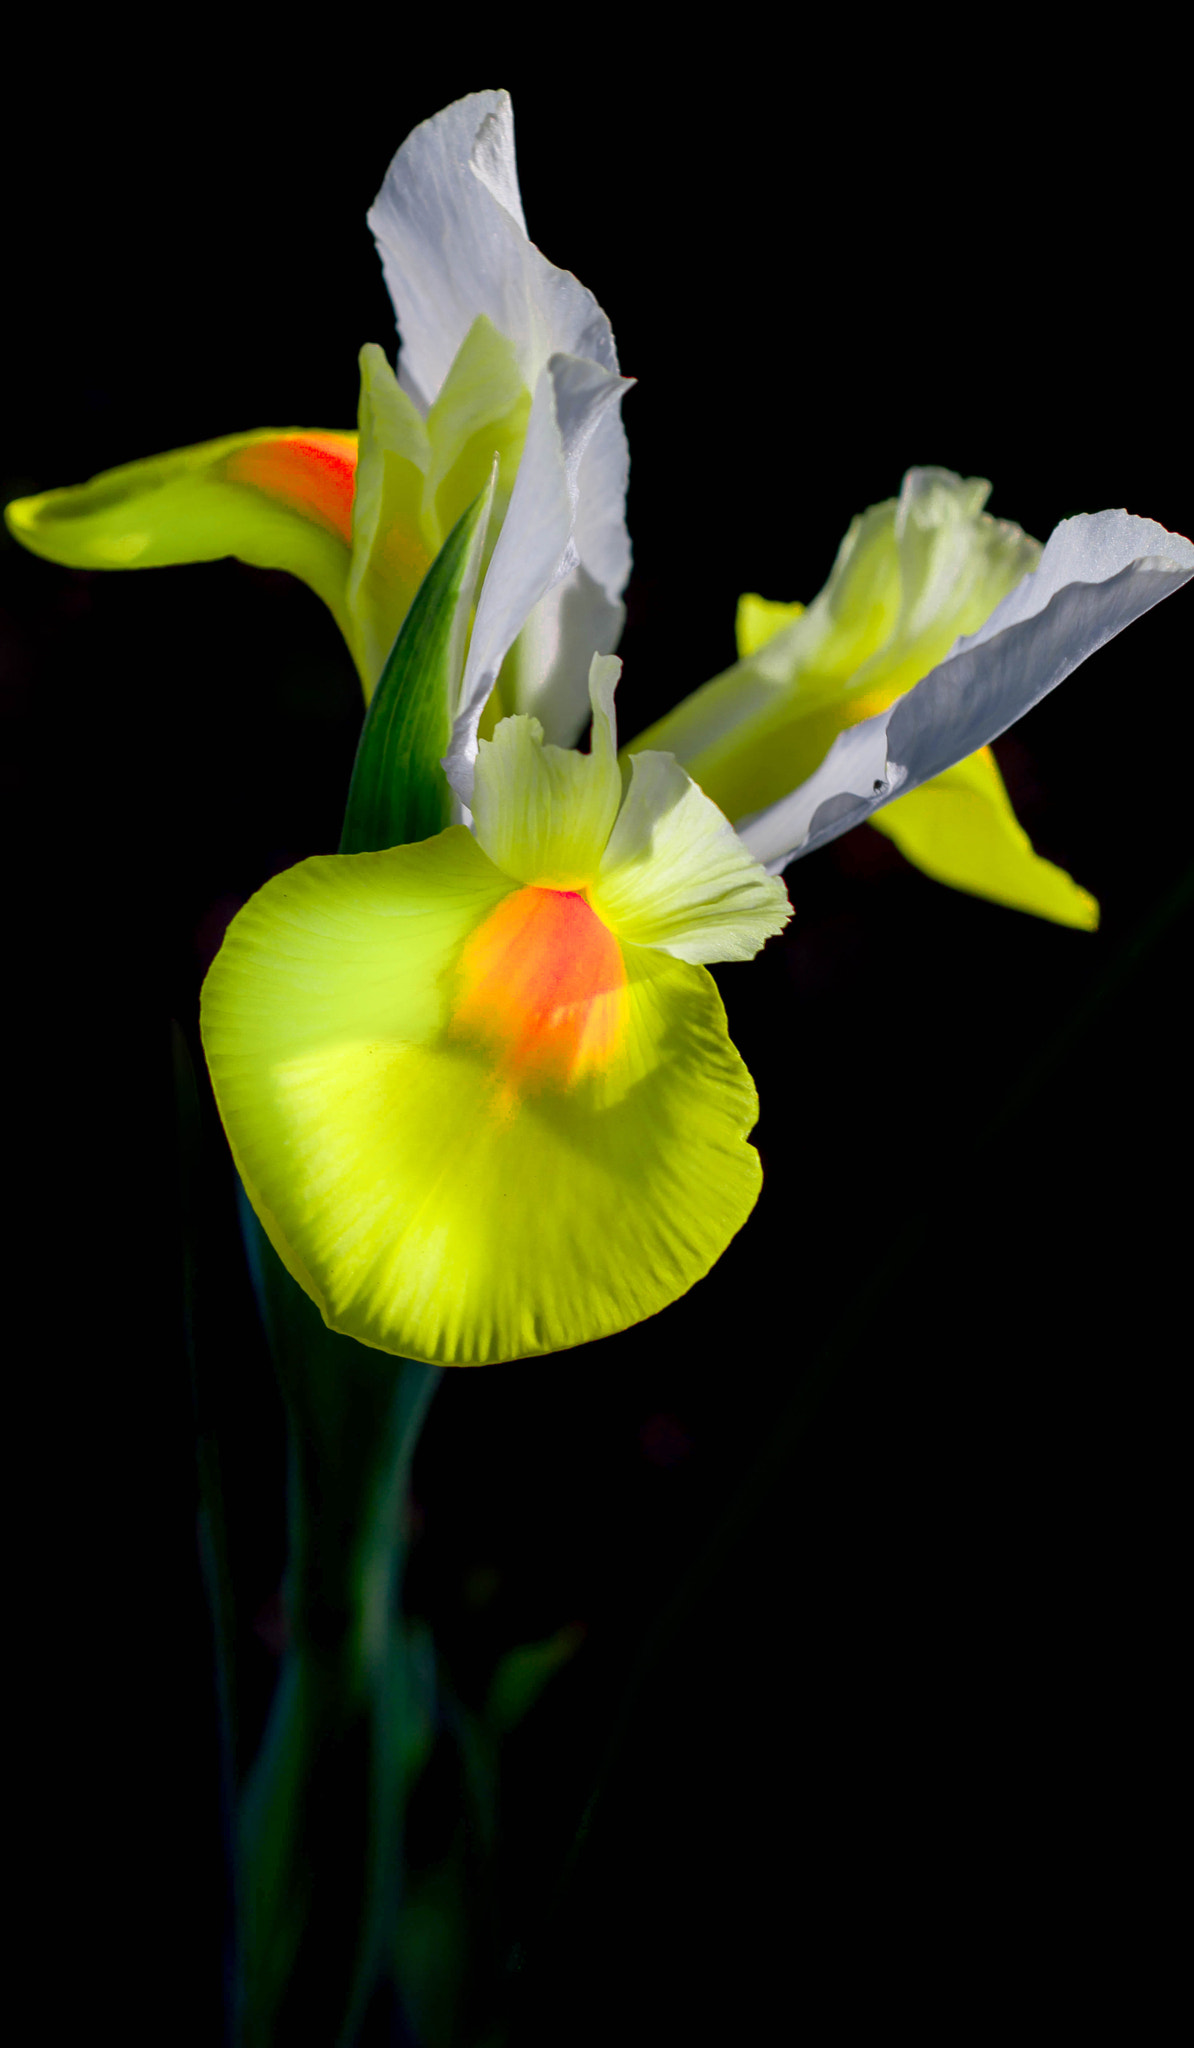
417 477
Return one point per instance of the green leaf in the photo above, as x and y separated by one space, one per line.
399 792
522 1674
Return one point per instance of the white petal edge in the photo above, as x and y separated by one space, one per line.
583 612
1099 571
450 232
536 548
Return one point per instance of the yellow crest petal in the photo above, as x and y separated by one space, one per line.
676 875
544 813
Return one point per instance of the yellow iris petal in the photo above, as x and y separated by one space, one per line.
960 828
475 1126
911 576
280 499
541 991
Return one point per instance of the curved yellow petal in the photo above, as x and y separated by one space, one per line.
759 619
482 410
474 1128
418 477
676 875
280 498
960 828
391 554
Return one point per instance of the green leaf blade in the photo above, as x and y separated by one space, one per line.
399 793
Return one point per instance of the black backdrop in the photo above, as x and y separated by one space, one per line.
907 1752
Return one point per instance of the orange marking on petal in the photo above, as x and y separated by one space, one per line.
314 474
541 986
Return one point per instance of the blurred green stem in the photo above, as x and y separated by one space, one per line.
320 1863
321 1820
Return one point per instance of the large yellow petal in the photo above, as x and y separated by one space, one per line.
473 1126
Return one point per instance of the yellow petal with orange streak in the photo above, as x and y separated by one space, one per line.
468 1138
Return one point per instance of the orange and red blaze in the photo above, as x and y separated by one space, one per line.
314 474
541 988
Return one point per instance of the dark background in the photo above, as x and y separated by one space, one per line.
907 1753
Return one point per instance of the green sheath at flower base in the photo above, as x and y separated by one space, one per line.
399 792
481 1096
911 576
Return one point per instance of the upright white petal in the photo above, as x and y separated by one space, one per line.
536 549
583 613
450 231
574 620
449 228
1099 571
589 613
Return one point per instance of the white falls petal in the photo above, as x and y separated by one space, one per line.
1099 571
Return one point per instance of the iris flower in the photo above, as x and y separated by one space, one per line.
480 1089
938 628
501 353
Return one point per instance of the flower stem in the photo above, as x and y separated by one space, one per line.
321 1819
